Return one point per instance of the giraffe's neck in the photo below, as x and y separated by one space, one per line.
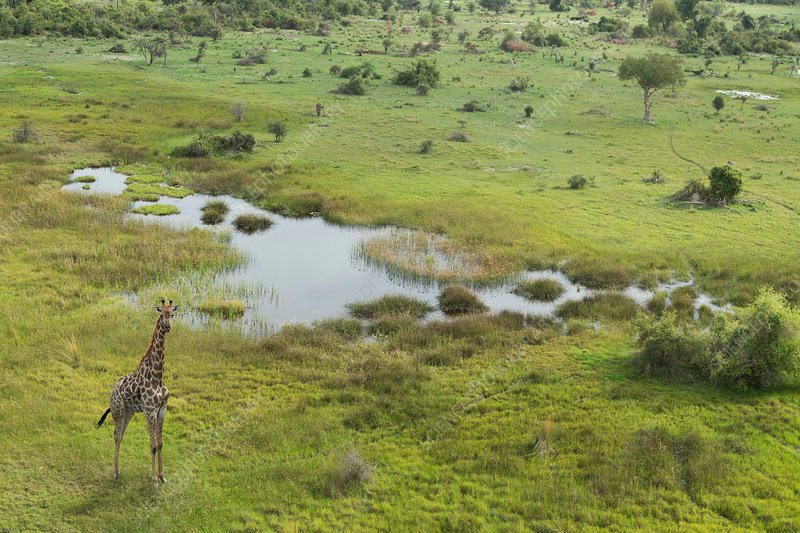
153 361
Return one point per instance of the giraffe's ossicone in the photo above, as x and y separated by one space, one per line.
143 391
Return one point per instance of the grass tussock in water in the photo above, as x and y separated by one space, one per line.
540 290
251 223
84 179
601 275
390 305
160 210
139 189
214 212
227 309
609 305
459 300
421 255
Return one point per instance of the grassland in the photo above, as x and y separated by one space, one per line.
475 423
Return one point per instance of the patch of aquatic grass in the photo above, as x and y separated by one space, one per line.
142 197
658 303
390 305
611 305
297 205
160 190
542 290
681 301
249 223
160 210
388 325
459 300
152 179
214 212
227 309
416 255
85 179
597 274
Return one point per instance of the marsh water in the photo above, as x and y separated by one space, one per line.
307 269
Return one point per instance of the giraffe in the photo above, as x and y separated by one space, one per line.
143 391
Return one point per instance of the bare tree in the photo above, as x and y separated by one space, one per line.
237 110
151 49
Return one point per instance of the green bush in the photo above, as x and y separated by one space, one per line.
206 144
726 183
423 72
354 87
459 300
669 347
761 347
577 181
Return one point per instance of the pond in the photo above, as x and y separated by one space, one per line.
305 269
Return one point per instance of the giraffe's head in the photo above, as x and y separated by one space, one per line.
166 311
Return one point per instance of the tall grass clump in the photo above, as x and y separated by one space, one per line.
611 305
540 290
222 308
459 300
346 473
672 348
250 223
390 305
214 212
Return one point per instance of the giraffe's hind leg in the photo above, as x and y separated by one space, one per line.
121 419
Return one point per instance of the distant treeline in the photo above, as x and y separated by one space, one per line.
203 18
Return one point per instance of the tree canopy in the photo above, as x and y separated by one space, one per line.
652 72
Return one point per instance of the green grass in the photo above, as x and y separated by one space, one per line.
542 290
481 422
160 210
390 305
84 179
224 308
604 305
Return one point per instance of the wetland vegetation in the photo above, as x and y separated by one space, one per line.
491 296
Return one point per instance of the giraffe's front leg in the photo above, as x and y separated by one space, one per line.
152 416
162 412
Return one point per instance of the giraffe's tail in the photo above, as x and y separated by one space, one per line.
103 418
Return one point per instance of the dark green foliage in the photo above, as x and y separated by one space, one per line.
640 31
694 190
652 72
354 87
459 300
529 111
472 107
251 223
673 348
278 129
542 290
424 71
426 147
726 183
608 25
577 181
494 5
390 305
207 144
518 84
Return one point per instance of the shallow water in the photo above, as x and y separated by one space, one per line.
748 94
313 268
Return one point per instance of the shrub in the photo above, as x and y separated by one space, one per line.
354 87
278 129
335 70
459 300
423 72
695 190
472 107
423 89
390 305
577 181
656 177
612 305
206 144
510 43
761 347
543 290
251 223
25 133
214 212
640 31
529 111
237 110
426 147
518 84
459 136
668 347
726 183
556 40
307 73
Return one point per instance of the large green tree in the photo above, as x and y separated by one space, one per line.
652 72
663 14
